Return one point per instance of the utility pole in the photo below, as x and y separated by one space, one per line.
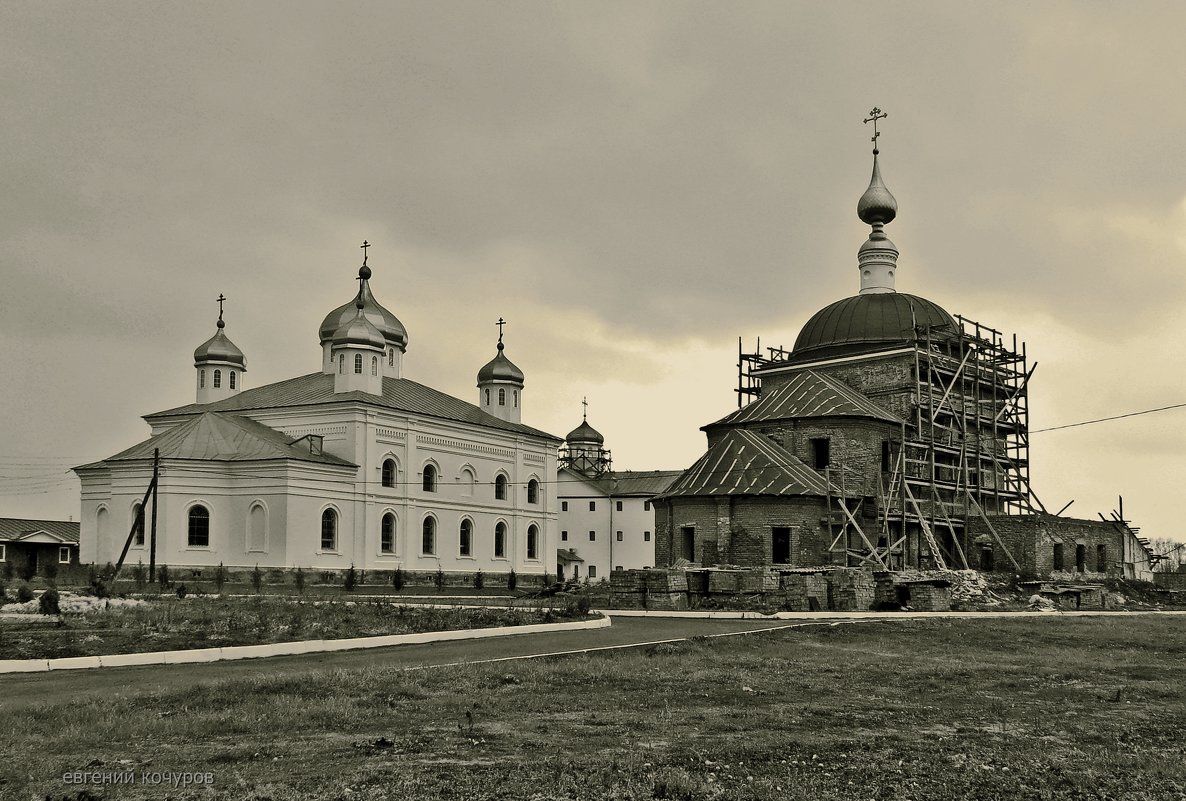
156 467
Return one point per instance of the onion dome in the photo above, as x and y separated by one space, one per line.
870 322
359 331
219 348
584 434
500 368
389 326
877 205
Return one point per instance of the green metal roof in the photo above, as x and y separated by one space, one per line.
744 463
869 322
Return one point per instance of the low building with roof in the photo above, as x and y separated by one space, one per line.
29 547
606 519
352 465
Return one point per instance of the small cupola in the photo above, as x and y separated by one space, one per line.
219 364
584 447
356 352
877 258
395 336
500 385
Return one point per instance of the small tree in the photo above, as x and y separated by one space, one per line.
162 577
182 591
257 578
28 570
219 578
397 579
512 580
48 603
299 580
439 579
351 579
50 571
24 594
8 571
108 572
139 575
3 591
479 580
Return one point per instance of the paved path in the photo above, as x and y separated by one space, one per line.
22 690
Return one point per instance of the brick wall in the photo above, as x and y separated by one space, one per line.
738 530
1032 540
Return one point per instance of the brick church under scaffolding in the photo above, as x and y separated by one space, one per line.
893 435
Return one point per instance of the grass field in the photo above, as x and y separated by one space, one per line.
1058 708
170 623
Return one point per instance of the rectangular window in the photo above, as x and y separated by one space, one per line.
619 536
1081 558
821 453
1101 558
564 536
564 506
885 456
646 536
688 543
592 536
64 555
780 545
1058 563
646 506
619 506
592 571
3 552
592 506
617 567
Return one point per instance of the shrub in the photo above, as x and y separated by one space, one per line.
3 592
28 570
351 579
299 580
139 574
162 577
219 577
546 579
479 580
182 591
48 603
439 579
512 580
24 593
397 578
8 572
577 605
257 578
50 570
108 572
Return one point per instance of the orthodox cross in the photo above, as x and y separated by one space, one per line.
875 115
221 297
365 244
501 322
585 410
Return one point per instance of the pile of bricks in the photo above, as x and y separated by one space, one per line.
804 592
755 581
724 582
930 596
666 590
629 588
852 590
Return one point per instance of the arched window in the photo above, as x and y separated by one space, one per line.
500 487
139 539
391 358
217 379
257 528
341 363
428 537
533 491
102 524
201 379
487 396
388 477
515 393
387 534
374 365
500 540
532 542
232 379
199 521
502 396
430 478
468 479
466 538
358 364
329 530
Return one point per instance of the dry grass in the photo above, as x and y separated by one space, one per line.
1082 708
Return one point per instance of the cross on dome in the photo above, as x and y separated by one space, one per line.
875 115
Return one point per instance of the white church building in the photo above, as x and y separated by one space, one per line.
351 465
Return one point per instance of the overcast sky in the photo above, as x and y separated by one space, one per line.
632 185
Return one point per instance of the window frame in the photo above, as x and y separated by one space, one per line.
332 518
532 543
533 491
501 486
387 479
231 382
358 364
139 540
430 476
190 517
428 535
387 537
500 530
64 549
218 379
465 539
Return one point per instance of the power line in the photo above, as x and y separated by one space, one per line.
1114 417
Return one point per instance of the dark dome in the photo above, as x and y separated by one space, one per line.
500 368
871 321
585 433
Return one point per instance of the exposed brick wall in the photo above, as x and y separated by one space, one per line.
738 531
1032 539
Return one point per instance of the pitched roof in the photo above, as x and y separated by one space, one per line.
641 482
744 463
18 528
318 388
808 394
215 436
